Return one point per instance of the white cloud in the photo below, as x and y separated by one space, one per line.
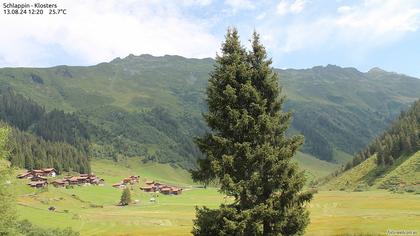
379 20
297 6
368 25
285 7
197 2
100 30
240 4
261 16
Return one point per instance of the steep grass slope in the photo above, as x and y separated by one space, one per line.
403 175
407 175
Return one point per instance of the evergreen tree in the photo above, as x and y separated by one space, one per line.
125 197
247 151
7 204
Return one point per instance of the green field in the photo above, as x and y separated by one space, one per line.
93 210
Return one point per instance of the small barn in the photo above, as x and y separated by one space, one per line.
60 183
38 184
26 175
150 182
119 185
49 172
148 188
166 190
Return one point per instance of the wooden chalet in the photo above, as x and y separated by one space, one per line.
127 181
26 175
152 186
82 179
131 180
37 172
119 185
148 188
165 190
171 190
45 172
135 179
49 172
38 178
74 180
176 191
38 184
60 183
96 181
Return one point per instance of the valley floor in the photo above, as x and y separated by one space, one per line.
92 210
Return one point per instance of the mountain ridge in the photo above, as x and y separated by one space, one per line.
339 110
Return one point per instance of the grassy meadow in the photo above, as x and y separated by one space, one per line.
93 210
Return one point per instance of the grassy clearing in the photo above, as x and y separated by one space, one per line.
163 172
314 167
354 177
92 210
360 213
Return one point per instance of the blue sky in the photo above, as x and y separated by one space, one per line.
297 33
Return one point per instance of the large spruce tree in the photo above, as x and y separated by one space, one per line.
247 150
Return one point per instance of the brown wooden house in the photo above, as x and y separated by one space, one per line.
176 191
165 190
150 182
38 178
38 184
26 175
148 188
119 185
60 183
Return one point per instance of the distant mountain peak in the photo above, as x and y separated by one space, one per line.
377 70
149 57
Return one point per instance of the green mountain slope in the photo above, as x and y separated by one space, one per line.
151 106
403 175
392 161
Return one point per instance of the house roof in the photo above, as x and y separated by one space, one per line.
74 178
24 174
39 177
37 182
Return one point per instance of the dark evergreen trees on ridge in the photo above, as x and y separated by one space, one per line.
247 150
40 139
402 137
